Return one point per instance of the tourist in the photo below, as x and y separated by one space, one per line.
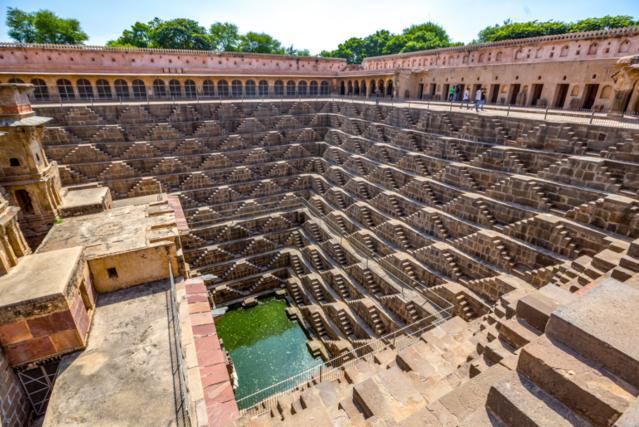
483 98
451 94
466 99
478 103
376 96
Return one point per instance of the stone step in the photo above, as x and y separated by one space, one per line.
517 402
467 399
388 395
536 307
355 416
517 332
585 388
603 326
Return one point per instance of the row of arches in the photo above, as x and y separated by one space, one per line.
121 88
361 88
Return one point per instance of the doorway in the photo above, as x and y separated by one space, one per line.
536 93
420 91
494 93
445 92
433 90
590 94
561 94
514 91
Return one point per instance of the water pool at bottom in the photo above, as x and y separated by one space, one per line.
265 346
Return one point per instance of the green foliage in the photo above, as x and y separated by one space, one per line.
260 43
138 36
188 34
604 23
225 36
43 26
416 37
517 30
181 33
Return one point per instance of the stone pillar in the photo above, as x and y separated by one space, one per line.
625 77
27 175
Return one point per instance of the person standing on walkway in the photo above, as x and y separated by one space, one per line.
451 93
376 96
466 99
478 103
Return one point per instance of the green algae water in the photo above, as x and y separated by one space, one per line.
265 346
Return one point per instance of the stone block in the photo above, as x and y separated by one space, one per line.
603 325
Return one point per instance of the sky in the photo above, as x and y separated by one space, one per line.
317 25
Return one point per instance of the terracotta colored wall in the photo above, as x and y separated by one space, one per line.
15 409
30 339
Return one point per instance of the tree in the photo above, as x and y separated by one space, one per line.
43 26
517 30
260 43
297 52
140 35
225 36
604 23
181 33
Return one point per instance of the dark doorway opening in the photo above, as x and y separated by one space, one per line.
24 201
494 93
433 89
536 93
445 92
560 96
514 91
590 94
420 91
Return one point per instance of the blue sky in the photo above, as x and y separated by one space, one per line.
316 24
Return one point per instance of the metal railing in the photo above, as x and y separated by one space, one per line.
265 400
179 368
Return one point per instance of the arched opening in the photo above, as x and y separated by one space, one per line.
313 91
324 88
380 86
40 90
104 89
121 89
208 88
250 88
342 88
14 80
24 201
139 89
65 89
190 90
263 88
356 88
362 88
349 88
175 89
236 88
373 87
14 162
222 88
159 88
564 51
389 88
592 49
606 91
302 88
290 88
279 87
85 90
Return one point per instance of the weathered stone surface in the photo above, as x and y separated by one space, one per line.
602 326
